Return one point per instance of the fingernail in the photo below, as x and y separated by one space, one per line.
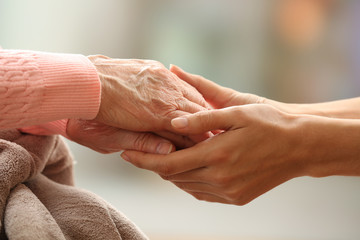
164 148
180 122
125 157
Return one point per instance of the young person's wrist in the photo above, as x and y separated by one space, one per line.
329 146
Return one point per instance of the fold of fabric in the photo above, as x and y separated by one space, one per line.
38 199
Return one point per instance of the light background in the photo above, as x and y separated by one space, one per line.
229 42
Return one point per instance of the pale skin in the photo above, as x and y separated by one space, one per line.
263 144
107 139
137 96
142 95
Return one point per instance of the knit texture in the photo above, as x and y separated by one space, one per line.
49 128
37 88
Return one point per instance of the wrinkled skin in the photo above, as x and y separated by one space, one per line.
142 95
107 139
138 97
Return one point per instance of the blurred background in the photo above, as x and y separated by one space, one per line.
287 50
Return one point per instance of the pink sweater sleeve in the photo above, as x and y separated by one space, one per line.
39 88
49 128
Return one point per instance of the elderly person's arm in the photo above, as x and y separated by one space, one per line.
137 95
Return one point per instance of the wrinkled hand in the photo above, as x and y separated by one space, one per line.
253 155
107 139
142 95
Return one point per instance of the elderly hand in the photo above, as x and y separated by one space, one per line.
142 95
106 139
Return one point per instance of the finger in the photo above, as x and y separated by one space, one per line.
145 142
212 92
107 139
201 136
173 163
179 112
179 141
189 107
193 95
204 121
206 87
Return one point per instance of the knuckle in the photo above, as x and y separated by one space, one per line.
206 118
260 100
141 140
222 180
165 169
238 113
202 120
220 156
159 71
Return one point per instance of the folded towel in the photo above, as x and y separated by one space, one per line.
38 199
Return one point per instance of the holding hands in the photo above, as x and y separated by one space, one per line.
236 165
236 146
260 146
137 97
249 158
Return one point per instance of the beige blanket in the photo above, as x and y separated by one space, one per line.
38 199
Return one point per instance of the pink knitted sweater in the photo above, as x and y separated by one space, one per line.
40 91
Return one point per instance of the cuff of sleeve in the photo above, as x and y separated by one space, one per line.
72 86
50 128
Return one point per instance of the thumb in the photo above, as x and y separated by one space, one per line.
204 121
206 87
